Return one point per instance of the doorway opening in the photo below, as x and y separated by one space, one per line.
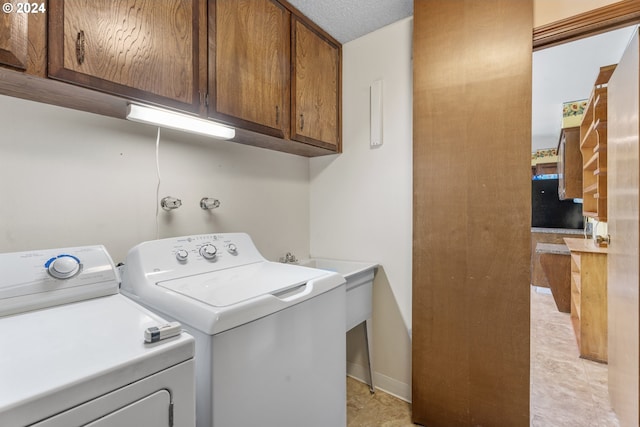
563 74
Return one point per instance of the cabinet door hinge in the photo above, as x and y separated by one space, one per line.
170 414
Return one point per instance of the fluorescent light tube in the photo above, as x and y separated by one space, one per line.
172 120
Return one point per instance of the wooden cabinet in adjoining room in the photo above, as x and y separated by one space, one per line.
23 37
249 58
593 145
544 169
316 87
569 164
589 298
137 49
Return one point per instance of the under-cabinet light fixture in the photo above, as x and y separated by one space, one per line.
172 120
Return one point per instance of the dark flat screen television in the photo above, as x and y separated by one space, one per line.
548 211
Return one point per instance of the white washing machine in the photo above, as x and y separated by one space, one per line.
270 341
73 350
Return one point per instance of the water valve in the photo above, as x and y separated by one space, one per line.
289 258
208 203
169 203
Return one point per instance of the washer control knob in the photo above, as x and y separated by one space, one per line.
63 266
182 255
208 251
233 249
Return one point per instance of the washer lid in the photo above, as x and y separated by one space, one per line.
228 287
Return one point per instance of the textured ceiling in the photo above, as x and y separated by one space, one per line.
347 20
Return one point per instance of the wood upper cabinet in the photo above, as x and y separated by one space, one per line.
144 50
569 164
23 38
249 56
259 65
274 72
316 88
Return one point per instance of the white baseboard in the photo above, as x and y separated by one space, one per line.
387 384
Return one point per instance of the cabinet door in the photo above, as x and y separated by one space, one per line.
13 39
249 53
569 164
23 38
140 49
315 88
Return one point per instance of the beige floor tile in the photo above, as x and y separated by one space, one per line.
565 389
375 410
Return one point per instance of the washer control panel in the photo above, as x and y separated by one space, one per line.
167 259
44 278
207 247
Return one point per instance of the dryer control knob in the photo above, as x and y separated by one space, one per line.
208 251
233 249
182 255
63 266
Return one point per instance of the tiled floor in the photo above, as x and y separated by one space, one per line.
565 390
374 410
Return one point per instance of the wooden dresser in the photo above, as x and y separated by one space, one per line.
589 297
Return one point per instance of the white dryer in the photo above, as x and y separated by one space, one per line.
270 341
73 350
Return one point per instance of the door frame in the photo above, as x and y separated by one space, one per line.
590 23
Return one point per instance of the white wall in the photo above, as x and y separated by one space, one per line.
361 200
70 178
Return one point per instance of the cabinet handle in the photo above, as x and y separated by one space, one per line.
277 115
301 121
80 47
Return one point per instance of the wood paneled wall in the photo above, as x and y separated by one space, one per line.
472 213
